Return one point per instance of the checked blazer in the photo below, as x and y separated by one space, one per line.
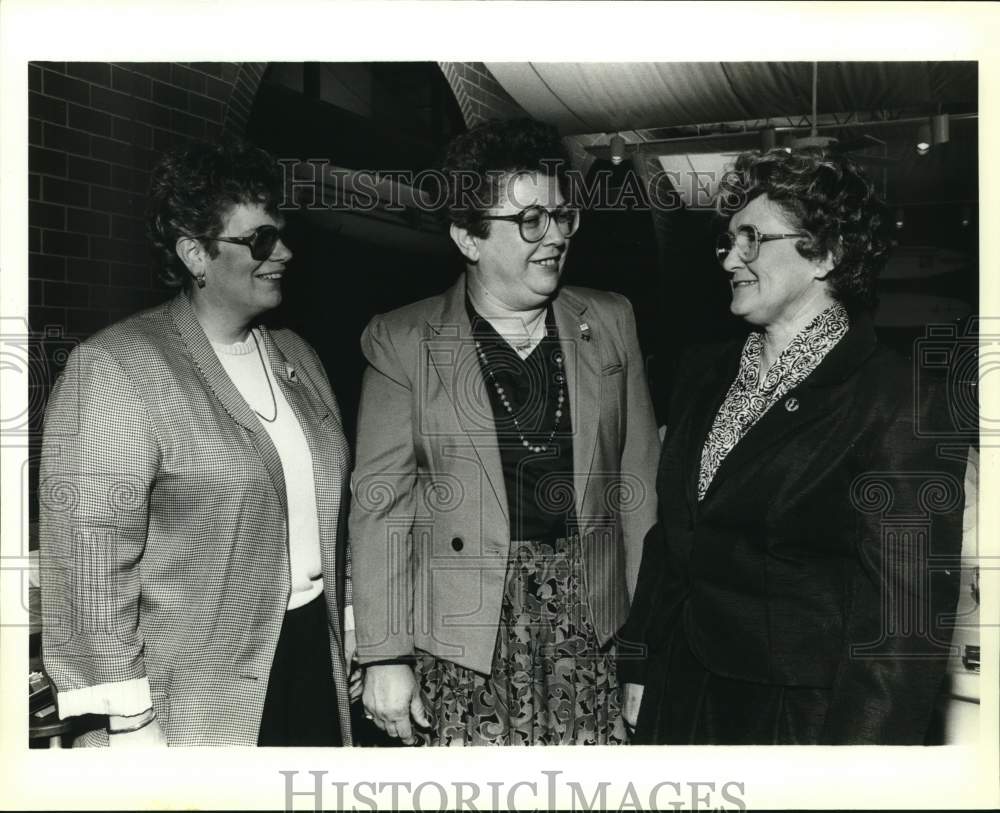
430 532
163 537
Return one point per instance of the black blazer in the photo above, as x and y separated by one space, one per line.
825 551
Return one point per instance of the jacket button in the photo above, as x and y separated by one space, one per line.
457 544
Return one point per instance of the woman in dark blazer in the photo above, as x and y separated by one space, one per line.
193 492
796 586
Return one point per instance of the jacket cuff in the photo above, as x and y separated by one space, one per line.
124 698
402 660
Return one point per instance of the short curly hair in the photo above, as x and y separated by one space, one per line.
194 187
479 162
828 196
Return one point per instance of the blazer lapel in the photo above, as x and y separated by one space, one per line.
221 384
581 344
704 404
457 353
330 459
801 405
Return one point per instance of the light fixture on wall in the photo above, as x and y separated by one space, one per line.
923 139
940 128
900 220
617 149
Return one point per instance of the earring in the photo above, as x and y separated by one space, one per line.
200 279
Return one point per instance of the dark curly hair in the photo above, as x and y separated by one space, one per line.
829 197
480 161
193 188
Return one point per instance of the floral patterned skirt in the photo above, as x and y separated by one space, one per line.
550 684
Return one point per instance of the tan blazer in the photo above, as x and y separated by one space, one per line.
429 529
163 523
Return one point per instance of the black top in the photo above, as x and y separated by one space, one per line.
540 494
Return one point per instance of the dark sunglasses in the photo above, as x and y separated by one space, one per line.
261 243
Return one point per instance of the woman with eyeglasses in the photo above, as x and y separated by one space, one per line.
193 492
798 587
503 479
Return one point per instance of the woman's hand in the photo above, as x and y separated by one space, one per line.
631 700
354 670
391 698
149 736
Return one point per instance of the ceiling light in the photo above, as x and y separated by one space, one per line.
617 149
940 126
923 139
822 142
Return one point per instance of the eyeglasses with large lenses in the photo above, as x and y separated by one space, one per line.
261 243
534 222
744 241
747 242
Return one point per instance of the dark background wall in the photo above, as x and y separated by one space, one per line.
96 130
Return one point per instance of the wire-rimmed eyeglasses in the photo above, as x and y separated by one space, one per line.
533 222
747 242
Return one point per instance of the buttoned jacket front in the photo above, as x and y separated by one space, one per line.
430 531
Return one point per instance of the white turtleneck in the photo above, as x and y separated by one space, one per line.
246 366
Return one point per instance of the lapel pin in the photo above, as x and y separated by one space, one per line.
585 331
291 373
792 404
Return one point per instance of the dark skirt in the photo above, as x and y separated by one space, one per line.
685 704
550 683
301 704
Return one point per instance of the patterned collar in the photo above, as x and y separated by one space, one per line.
750 395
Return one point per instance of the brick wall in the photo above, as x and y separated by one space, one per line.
95 131
479 95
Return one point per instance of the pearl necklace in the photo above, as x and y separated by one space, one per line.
560 377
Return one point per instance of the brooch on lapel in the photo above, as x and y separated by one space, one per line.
792 404
585 331
290 372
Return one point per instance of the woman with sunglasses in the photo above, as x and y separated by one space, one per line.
193 487
789 595
503 483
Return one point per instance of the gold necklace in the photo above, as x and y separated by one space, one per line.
274 401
